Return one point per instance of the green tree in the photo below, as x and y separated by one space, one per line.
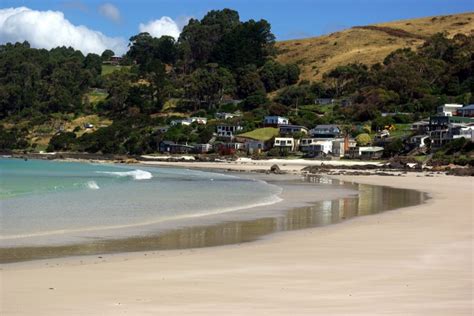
207 86
363 139
107 55
248 82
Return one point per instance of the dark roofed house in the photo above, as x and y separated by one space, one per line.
466 111
442 122
324 101
274 120
173 148
202 148
325 131
291 129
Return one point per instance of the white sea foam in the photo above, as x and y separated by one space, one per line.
135 174
92 185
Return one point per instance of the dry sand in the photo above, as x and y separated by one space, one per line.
247 164
412 261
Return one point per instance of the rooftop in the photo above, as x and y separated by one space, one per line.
326 126
468 107
373 148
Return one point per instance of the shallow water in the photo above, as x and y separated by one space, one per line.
368 200
47 201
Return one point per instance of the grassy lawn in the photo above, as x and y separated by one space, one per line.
420 158
264 134
96 96
401 130
317 107
108 69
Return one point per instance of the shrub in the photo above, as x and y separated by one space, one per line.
62 141
363 139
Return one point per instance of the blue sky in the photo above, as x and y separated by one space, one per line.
289 19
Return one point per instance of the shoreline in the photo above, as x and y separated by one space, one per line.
298 200
245 169
418 258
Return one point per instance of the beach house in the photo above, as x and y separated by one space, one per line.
253 146
292 129
466 111
373 152
228 130
316 147
275 121
285 143
173 148
448 109
325 131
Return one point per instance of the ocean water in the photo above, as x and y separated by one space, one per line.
40 198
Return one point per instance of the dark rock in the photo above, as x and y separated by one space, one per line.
462 172
275 169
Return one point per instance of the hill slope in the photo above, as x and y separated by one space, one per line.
367 44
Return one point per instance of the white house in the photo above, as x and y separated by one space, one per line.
199 120
316 146
285 142
275 121
227 116
365 152
185 122
462 131
382 135
448 109
188 121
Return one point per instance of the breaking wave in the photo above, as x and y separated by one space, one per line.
135 174
92 185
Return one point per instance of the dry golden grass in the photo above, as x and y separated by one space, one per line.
42 134
317 55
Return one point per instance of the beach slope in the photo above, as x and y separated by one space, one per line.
412 261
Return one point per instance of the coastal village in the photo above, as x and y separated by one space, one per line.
277 137
269 158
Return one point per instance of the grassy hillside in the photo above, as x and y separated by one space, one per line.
369 44
264 134
108 69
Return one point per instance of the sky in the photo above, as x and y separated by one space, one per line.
93 26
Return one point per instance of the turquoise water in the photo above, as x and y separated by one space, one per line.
50 198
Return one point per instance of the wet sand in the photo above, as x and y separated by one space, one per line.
411 261
306 202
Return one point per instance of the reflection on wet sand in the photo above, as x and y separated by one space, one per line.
370 200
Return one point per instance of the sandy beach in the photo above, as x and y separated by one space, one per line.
247 164
412 261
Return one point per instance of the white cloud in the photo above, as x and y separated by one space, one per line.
49 29
163 26
110 11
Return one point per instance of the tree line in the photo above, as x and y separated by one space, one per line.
218 58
